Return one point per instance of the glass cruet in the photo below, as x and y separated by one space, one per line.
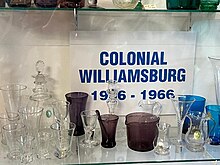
42 98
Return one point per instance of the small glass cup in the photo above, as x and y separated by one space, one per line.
26 143
44 141
162 145
6 118
63 137
13 132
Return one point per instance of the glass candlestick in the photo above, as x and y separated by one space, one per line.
112 92
181 104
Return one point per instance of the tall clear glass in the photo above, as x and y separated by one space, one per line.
12 94
181 104
216 69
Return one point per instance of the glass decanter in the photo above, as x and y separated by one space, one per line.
42 98
112 92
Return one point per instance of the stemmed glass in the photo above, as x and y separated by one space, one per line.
181 104
89 119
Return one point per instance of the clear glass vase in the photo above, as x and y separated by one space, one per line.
216 69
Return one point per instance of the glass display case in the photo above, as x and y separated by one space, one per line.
34 32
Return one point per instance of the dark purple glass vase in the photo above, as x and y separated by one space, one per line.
77 105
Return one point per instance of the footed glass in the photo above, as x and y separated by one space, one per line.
89 119
181 104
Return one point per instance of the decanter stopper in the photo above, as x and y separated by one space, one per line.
39 78
112 92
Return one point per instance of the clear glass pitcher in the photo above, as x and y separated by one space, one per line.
197 136
216 69
149 106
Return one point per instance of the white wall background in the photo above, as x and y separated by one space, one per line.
29 35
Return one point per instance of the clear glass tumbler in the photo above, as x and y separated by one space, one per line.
6 118
13 132
63 137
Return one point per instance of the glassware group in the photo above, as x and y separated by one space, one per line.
48 125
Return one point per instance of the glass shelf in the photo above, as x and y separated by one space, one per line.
108 10
145 10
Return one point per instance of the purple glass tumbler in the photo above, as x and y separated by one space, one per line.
108 124
77 105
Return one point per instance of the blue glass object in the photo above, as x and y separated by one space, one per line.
214 126
198 105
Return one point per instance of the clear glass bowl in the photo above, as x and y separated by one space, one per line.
125 4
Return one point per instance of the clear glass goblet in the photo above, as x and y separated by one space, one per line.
181 104
89 119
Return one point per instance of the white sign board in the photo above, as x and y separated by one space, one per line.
146 65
